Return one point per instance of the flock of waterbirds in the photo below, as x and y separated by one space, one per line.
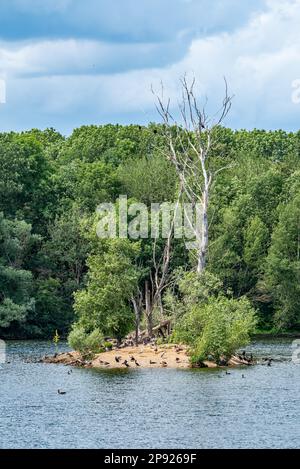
133 360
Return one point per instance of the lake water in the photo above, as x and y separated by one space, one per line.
157 408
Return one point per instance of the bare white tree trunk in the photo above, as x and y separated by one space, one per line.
203 248
189 149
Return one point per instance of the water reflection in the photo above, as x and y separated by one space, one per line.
151 408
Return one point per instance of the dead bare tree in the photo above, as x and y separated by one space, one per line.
159 277
189 148
149 297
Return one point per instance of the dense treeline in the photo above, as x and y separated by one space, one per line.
50 256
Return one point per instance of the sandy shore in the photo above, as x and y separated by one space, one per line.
143 356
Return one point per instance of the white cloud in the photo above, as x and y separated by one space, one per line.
81 56
260 61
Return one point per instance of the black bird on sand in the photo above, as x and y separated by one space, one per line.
117 359
125 362
152 363
137 364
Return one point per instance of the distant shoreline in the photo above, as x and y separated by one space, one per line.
258 335
280 335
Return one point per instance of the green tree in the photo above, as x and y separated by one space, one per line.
150 179
16 299
283 265
112 282
60 270
25 178
86 185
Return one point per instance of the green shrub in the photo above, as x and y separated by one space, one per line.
108 345
217 328
160 341
87 344
192 289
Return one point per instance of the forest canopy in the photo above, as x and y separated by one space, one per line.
55 271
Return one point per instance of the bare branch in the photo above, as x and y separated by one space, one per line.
190 148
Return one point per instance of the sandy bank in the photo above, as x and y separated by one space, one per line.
143 356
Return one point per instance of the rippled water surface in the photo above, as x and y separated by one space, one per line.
157 408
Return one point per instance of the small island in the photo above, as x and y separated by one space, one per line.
142 356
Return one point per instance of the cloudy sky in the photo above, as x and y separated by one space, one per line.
72 62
